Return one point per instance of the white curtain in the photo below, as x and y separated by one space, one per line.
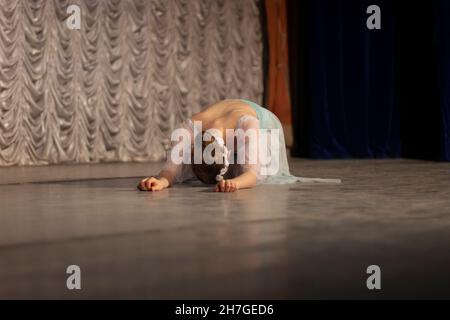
114 89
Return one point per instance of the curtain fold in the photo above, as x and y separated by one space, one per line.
114 90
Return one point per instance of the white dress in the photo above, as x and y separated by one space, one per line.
264 120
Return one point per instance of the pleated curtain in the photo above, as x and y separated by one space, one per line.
114 89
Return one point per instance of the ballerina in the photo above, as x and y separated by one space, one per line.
238 145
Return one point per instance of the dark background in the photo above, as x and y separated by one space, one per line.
360 93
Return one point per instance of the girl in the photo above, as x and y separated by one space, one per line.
231 114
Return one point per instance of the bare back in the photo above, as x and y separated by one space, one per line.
224 114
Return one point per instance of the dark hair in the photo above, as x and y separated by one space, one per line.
207 173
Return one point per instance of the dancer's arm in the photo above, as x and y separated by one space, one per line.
250 169
171 173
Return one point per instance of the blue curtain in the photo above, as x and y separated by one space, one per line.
352 82
370 93
442 11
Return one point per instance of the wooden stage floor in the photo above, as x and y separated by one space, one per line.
272 242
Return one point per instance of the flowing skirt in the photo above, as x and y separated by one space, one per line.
269 121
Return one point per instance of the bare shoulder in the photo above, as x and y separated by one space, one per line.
230 108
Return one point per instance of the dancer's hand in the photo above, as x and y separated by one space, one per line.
226 186
152 184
